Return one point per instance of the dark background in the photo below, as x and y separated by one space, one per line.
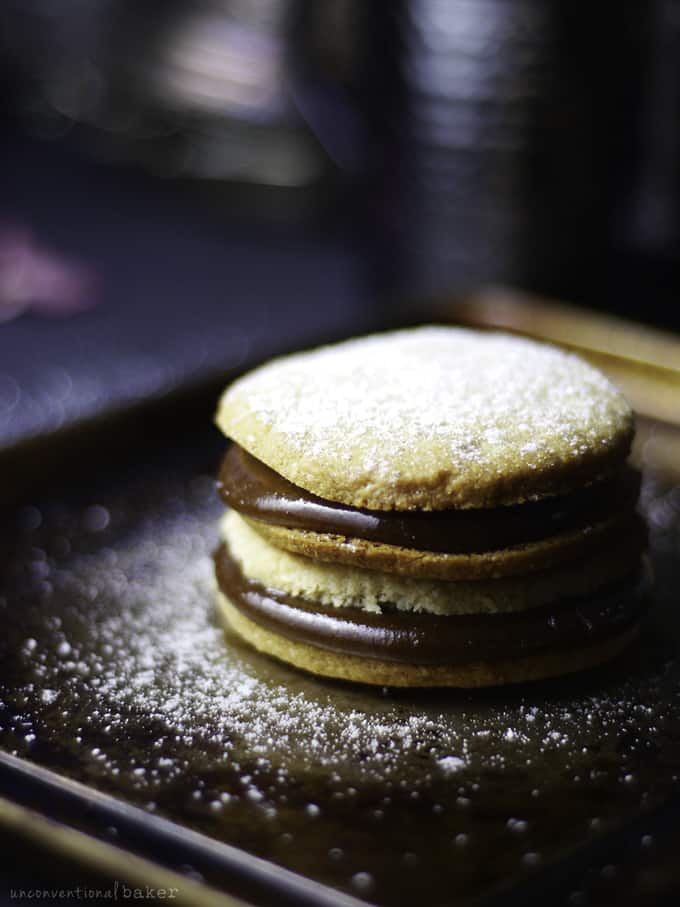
188 187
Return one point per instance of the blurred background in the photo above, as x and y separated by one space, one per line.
188 187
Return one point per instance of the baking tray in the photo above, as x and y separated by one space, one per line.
127 716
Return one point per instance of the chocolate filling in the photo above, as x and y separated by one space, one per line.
432 639
256 491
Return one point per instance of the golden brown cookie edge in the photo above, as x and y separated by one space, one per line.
439 491
528 558
338 666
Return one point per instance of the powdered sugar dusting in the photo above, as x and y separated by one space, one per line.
411 406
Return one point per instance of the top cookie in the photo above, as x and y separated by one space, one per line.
430 418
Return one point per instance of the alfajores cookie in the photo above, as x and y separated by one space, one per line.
430 419
454 486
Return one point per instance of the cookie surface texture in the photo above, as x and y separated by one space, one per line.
430 418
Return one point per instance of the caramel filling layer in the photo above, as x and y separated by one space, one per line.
256 491
431 639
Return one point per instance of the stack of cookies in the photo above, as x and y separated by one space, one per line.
430 507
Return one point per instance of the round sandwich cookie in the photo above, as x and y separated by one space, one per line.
430 507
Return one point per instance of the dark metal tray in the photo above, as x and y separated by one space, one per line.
115 674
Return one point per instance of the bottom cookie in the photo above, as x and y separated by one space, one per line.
342 666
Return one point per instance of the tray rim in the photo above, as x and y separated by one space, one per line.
31 788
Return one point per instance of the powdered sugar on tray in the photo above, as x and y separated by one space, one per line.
117 671
152 647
